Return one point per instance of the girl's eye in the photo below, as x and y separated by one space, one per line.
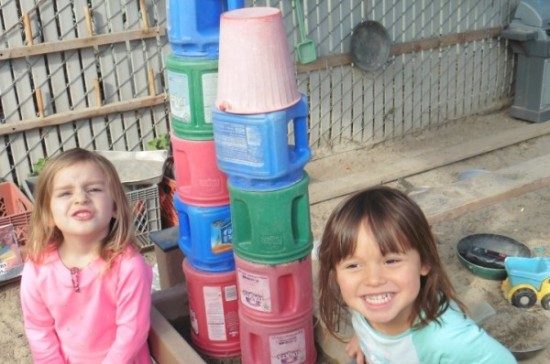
63 194
350 265
391 261
95 189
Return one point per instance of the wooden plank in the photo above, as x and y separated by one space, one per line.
99 139
360 116
161 115
76 86
314 109
325 120
8 95
326 190
107 14
60 95
19 101
78 43
335 100
37 73
40 142
425 87
459 198
398 96
143 75
415 46
407 123
416 59
84 113
125 70
347 104
379 80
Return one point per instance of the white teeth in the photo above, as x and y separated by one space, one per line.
378 299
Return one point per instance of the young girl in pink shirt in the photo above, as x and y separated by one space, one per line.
85 289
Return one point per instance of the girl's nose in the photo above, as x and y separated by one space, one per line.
81 196
374 275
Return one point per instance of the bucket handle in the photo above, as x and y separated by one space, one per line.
234 4
184 230
299 113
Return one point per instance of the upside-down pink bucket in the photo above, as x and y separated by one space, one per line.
256 73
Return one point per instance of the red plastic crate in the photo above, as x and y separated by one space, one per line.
15 209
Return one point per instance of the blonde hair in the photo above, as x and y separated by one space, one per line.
45 236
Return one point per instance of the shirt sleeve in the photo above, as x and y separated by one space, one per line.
133 309
462 341
39 323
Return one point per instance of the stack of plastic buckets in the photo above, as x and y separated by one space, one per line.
202 198
257 104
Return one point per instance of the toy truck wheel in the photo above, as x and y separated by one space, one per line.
545 302
524 298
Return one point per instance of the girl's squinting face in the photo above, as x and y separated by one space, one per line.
81 203
382 288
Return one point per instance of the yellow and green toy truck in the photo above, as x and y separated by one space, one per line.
528 281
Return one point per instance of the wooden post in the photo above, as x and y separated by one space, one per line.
27 28
151 81
144 15
39 102
88 17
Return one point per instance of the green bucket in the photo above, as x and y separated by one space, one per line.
271 227
192 87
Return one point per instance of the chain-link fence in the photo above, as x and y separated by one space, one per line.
90 73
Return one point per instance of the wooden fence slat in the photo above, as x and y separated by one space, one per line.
36 71
107 13
74 71
346 104
160 47
19 98
140 79
315 108
84 113
325 120
84 42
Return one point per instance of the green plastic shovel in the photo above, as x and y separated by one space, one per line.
305 48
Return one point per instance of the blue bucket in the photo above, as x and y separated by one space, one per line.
205 236
254 149
193 26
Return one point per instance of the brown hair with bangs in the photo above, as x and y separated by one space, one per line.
45 236
398 224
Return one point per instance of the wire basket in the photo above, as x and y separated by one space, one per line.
145 205
15 209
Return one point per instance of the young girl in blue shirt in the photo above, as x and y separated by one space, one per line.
379 264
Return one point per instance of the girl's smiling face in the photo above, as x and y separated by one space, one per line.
382 288
81 202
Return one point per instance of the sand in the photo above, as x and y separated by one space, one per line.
524 218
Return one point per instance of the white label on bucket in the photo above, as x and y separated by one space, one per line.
288 348
178 90
255 292
215 319
240 144
209 91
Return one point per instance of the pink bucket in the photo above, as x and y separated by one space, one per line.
271 292
285 341
256 73
199 181
213 310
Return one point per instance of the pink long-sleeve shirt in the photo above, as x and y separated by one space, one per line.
107 321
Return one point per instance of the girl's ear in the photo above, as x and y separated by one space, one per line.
425 269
